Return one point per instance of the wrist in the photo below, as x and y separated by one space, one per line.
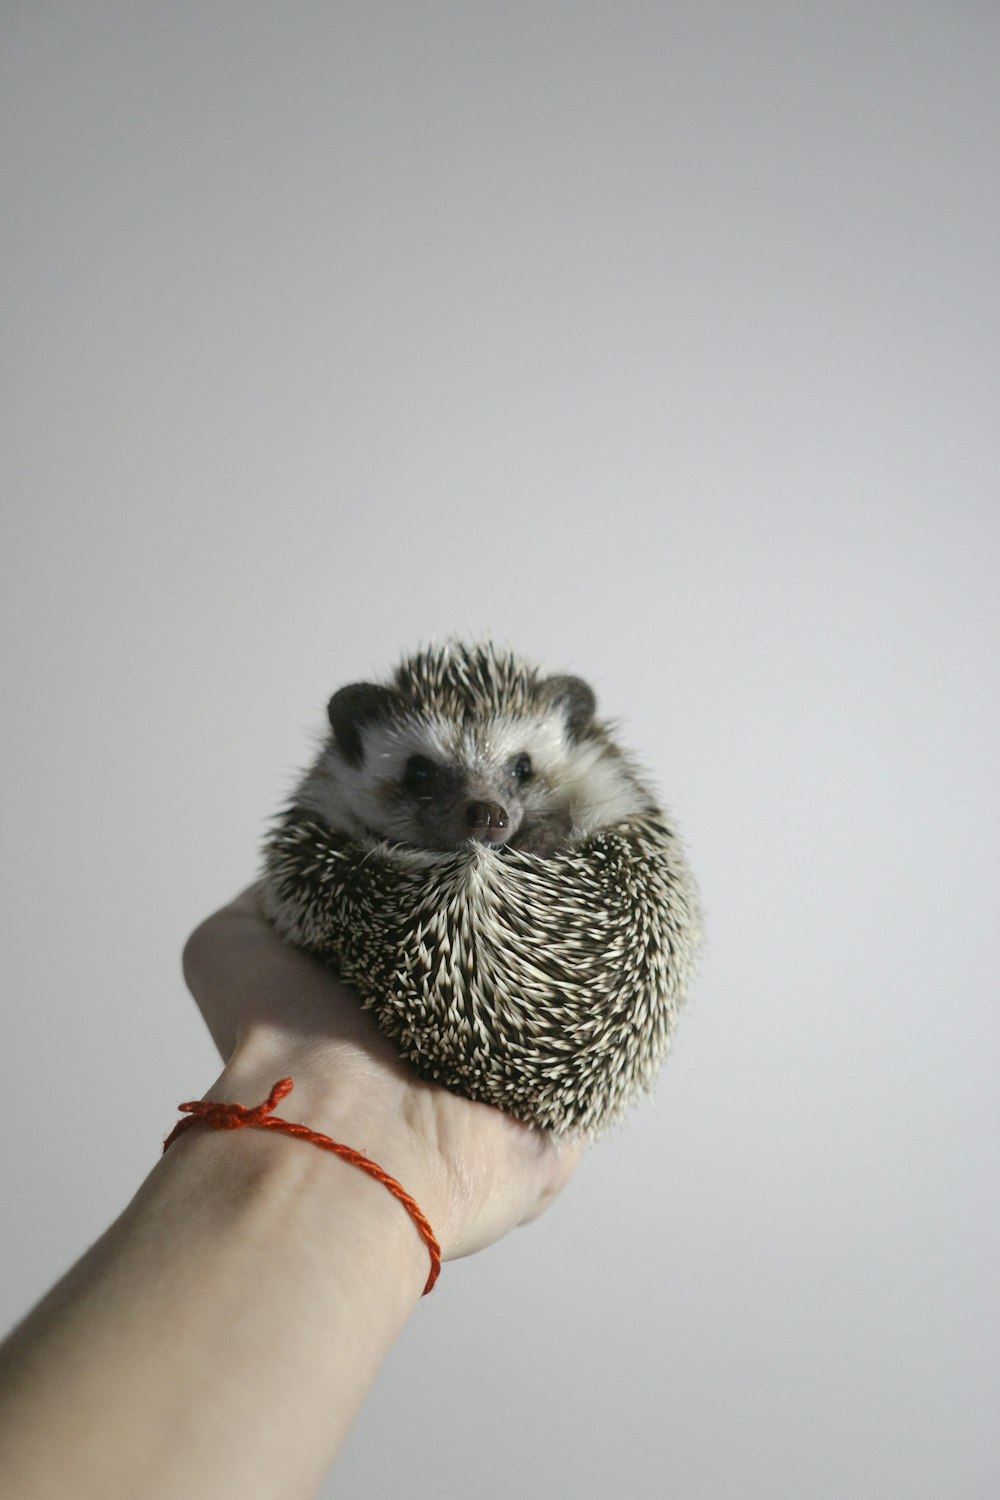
380 1127
259 1187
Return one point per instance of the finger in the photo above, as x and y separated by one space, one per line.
215 958
557 1167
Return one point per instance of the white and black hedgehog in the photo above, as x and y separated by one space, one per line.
477 857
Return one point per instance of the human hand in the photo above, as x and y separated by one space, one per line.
274 1011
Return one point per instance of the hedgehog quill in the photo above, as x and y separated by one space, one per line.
478 858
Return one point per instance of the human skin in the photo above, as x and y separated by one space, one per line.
221 1336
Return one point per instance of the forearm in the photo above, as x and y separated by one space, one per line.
222 1334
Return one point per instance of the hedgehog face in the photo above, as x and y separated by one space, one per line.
435 761
427 782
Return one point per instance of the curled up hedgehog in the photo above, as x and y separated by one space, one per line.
475 855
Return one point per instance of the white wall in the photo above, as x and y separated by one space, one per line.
662 341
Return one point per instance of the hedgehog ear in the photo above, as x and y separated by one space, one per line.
575 700
351 709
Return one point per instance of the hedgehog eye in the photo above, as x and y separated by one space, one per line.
418 777
522 769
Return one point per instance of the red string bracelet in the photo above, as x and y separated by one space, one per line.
261 1117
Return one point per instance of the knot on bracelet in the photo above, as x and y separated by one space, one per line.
232 1116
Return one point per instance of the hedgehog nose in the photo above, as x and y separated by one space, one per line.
487 821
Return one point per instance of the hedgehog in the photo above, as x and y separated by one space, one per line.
475 855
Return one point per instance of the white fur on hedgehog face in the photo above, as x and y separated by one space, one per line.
574 788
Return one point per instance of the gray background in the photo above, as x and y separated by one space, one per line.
660 341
